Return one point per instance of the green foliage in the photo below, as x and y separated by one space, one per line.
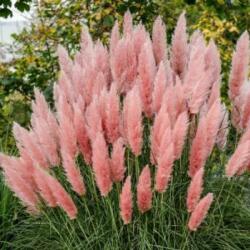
5 7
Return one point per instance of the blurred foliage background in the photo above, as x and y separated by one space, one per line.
60 21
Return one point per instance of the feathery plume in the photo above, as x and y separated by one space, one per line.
214 94
64 60
165 161
159 40
139 38
93 119
146 70
81 133
127 23
117 161
200 212
213 120
43 187
195 67
179 134
198 152
26 140
161 124
68 140
62 198
126 203
164 169
179 95
17 181
144 192
239 160
101 164
132 113
239 68
86 40
112 115
73 173
179 47
160 84
45 139
194 190
245 110
212 61
221 139
115 37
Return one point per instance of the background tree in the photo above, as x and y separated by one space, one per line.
20 5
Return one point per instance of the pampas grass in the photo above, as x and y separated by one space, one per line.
108 126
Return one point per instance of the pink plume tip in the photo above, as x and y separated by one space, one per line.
144 192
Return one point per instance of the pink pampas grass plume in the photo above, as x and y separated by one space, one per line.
164 169
65 62
200 92
48 143
26 140
179 134
240 64
132 114
172 106
101 164
62 198
159 40
127 23
115 37
112 114
126 203
43 187
144 192
198 152
86 40
117 161
68 140
221 139
93 119
77 82
212 60
195 67
39 106
73 173
124 64
81 133
200 212
147 71
99 84
139 38
41 111
165 161
18 180
245 113
160 84
179 49
101 59
194 190
214 94
21 188
180 100
213 121
239 160
161 124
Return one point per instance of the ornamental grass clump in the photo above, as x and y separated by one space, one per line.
138 127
